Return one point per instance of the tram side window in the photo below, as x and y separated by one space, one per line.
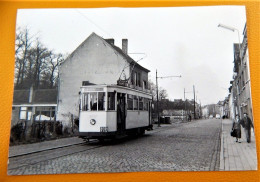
101 101
146 104
111 101
129 102
141 103
135 103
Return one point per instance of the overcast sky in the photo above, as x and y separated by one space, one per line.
176 41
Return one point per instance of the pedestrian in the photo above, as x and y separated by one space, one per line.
236 128
247 123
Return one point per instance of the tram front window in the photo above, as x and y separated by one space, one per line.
93 101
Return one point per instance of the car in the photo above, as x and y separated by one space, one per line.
210 116
217 116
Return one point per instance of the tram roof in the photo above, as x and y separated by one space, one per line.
116 86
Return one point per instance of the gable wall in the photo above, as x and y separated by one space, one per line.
94 61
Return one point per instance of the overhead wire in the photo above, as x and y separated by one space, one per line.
93 22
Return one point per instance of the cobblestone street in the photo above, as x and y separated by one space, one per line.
192 146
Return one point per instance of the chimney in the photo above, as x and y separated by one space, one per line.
111 41
31 94
124 45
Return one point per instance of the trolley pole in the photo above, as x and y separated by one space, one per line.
194 101
157 101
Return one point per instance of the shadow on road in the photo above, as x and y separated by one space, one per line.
117 141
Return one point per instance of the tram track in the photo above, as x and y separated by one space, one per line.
34 158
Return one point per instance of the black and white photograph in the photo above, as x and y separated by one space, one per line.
111 90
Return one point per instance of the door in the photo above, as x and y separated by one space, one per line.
121 112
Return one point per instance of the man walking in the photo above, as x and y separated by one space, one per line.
247 126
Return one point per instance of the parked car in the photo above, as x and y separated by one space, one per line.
217 116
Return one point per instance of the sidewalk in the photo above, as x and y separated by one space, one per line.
36 147
236 156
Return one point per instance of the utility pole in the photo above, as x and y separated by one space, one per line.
157 102
194 101
158 94
185 104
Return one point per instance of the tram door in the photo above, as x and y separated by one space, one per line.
121 112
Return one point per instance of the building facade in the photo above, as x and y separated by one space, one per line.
95 61
240 90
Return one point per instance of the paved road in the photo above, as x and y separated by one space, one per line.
192 146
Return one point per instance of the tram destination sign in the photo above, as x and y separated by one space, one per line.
93 89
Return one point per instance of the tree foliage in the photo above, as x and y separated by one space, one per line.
35 64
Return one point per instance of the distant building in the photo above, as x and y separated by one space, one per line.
205 111
95 61
179 109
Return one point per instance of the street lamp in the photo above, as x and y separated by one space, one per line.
157 103
233 30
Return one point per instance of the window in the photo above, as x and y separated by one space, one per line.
93 101
135 79
129 102
44 113
101 101
243 79
132 79
23 113
141 103
111 101
135 103
85 102
139 80
144 85
146 104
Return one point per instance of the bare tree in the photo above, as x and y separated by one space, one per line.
161 91
51 71
35 64
22 45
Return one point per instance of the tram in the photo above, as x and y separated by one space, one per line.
108 111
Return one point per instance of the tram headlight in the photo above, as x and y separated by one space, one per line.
92 122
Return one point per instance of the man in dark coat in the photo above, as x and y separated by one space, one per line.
247 124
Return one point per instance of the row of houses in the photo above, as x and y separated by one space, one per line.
239 100
95 61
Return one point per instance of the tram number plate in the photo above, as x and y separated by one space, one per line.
103 129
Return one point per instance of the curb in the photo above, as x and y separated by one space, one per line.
222 159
